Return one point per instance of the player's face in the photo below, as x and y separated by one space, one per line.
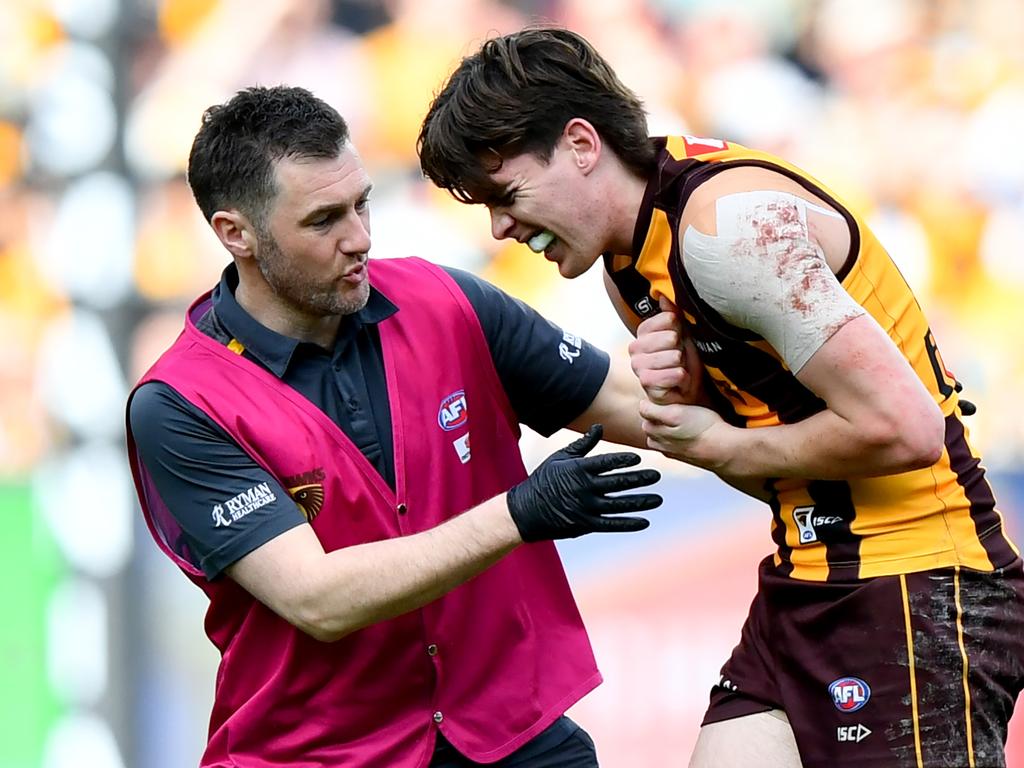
314 256
549 198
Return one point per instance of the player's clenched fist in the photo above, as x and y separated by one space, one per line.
665 360
690 433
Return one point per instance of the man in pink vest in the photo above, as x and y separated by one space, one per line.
330 452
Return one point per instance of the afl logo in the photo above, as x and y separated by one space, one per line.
453 414
849 693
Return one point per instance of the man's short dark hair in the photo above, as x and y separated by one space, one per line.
231 164
515 96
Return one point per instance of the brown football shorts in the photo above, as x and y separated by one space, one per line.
919 670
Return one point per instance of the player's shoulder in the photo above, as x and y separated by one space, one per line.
741 178
753 182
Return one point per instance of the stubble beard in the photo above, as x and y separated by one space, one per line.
301 292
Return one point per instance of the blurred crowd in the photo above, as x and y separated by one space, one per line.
910 109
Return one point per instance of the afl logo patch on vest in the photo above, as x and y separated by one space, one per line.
453 412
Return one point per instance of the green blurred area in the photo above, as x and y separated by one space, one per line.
30 567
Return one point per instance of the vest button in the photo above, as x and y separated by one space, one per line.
438 717
402 509
432 650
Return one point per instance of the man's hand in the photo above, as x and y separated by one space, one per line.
684 432
665 360
567 495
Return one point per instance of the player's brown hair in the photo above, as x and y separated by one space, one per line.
515 96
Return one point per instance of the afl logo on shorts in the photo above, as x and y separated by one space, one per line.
453 413
849 693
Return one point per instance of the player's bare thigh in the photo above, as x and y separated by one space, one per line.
764 739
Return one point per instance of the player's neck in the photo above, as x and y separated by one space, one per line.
623 196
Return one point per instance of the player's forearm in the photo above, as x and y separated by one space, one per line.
824 446
364 584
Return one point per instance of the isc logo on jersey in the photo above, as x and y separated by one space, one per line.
849 693
453 412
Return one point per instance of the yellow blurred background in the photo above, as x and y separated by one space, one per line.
911 109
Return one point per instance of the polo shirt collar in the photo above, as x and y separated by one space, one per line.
269 347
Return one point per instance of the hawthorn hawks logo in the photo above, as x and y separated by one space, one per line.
307 491
310 499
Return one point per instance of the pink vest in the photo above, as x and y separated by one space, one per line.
511 652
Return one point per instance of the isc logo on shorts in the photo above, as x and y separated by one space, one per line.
849 693
855 733
453 413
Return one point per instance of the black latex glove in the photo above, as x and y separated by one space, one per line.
567 495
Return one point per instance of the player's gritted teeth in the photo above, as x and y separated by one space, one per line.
542 241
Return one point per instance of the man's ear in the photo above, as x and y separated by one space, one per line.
583 140
235 232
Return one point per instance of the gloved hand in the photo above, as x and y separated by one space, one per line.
567 495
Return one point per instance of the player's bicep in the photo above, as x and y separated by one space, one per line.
865 379
752 257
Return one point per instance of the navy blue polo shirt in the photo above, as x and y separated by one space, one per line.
196 465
